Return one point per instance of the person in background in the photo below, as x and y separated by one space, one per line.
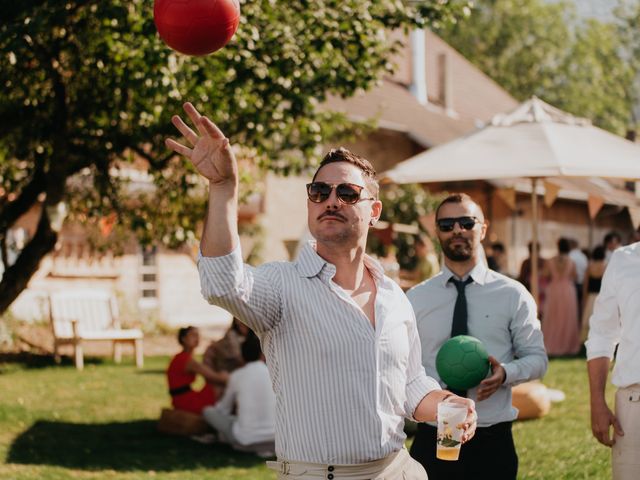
591 288
496 259
614 329
427 264
612 241
467 298
560 319
253 427
225 354
182 372
581 262
524 277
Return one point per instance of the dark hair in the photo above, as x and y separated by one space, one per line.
456 198
235 325
498 247
251 350
563 245
598 253
183 333
530 246
611 236
341 154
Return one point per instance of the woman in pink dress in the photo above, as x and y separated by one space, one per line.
560 320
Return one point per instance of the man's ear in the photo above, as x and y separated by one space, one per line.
376 211
483 231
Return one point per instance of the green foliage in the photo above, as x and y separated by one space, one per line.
531 47
627 21
89 90
89 83
404 204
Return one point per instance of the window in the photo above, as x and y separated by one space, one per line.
148 268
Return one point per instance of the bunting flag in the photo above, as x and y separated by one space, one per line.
594 203
634 213
508 196
428 222
107 223
550 193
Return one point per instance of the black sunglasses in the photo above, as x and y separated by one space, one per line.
447 224
348 193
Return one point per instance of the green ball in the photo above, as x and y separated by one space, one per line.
462 362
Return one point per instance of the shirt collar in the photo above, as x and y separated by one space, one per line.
479 273
310 264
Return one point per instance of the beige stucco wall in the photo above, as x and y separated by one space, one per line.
285 215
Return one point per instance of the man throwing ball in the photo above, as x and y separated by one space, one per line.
340 338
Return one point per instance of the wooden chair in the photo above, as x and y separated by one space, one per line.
79 316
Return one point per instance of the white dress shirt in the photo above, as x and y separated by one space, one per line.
249 389
581 261
501 313
342 387
616 316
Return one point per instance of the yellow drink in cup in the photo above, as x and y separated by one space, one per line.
451 417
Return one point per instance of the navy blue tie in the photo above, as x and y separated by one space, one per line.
459 324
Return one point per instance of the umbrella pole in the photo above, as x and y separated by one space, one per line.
534 240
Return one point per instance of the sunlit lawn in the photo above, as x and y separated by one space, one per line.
57 423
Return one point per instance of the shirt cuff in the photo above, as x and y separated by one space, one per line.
510 372
419 388
597 349
220 275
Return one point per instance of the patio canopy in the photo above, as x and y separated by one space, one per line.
535 141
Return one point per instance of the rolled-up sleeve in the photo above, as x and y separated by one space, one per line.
419 384
604 323
531 359
252 294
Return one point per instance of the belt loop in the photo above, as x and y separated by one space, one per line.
284 468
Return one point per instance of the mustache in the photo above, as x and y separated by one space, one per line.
332 214
458 237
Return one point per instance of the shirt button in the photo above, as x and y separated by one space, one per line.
330 468
330 476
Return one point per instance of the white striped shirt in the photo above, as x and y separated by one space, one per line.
343 389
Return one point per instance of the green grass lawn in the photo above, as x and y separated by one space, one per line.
57 423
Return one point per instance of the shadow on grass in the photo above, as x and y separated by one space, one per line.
38 360
152 371
124 446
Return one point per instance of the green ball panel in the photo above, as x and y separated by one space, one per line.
462 362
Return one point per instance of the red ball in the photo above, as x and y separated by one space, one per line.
196 27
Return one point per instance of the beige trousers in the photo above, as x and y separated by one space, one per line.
397 466
625 456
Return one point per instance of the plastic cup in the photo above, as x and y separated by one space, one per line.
451 417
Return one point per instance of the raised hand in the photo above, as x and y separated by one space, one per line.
211 153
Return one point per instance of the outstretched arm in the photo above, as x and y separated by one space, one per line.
213 158
251 294
212 376
428 408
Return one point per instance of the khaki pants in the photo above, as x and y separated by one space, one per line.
626 451
397 466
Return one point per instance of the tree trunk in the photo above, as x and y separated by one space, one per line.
17 276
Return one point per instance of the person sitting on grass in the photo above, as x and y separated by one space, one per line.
249 391
182 373
225 354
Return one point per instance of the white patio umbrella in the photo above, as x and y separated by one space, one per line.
536 141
